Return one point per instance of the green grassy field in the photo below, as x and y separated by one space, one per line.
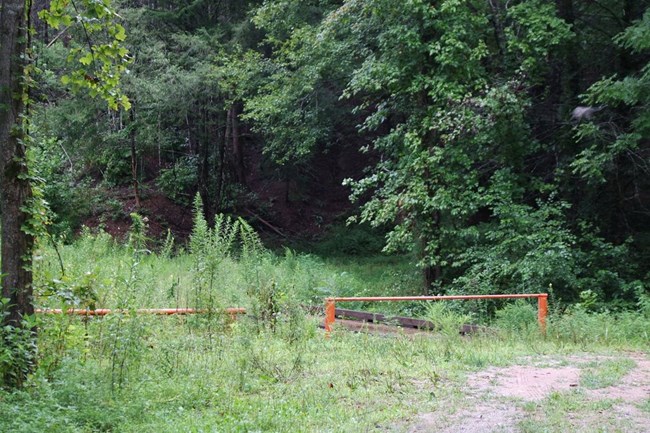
272 370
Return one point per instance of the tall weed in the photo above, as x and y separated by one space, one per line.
271 370
517 318
586 329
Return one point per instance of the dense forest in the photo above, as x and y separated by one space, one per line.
184 183
505 143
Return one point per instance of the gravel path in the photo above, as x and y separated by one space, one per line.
495 399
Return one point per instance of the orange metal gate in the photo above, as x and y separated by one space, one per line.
330 304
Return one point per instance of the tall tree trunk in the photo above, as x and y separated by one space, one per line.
497 24
238 154
134 159
15 189
569 65
220 130
203 150
424 234
428 272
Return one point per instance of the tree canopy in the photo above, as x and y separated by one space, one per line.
505 144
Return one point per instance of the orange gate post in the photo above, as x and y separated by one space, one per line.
330 315
542 311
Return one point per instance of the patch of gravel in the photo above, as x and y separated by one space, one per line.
524 382
633 389
488 417
487 409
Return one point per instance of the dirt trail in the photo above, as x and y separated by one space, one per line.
494 398
634 387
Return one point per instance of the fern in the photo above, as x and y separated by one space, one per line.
251 244
229 238
168 246
200 230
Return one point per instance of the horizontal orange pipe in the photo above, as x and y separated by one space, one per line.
433 298
157 311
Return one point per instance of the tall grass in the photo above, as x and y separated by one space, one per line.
272 370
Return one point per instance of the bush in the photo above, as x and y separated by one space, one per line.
580 327
517 316
178 182
17 350
351 240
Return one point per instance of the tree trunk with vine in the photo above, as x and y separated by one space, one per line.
15 188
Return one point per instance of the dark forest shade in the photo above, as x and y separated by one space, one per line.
453 120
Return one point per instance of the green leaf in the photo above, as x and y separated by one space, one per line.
87 59
121 33
124 101
53 20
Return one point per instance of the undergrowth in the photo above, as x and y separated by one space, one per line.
271 370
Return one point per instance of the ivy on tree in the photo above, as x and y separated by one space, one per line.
97 69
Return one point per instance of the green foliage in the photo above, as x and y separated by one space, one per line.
209 246
17 349
447 95
177 182
100 63
350 240
463 106
528 248
138 234
72 291
535 31
517 318
69 200
613 148
266 304
167 249
447 99
227 238
59 336
269 368
445 319
231 239
462 147
292 97
584 329
588 300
